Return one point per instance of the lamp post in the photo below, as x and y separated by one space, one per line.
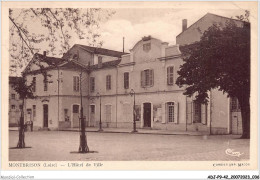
83 147
132 93
100 123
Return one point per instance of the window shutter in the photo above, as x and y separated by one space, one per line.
172 69
203 114
142 78
164 107
151 76
93 84
106 82
77 83
168 75
176 112
109 82
74 83
189 112
124 80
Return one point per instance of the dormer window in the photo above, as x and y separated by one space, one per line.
75 57
147 47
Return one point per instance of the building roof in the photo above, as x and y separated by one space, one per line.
13 79
51 61
204 17
73 64
101 51
106 65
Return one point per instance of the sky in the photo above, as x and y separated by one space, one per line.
163 24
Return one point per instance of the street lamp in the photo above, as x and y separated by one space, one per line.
83 147
132 93
100 123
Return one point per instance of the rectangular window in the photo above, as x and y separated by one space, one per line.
13 107
126 80
108 82
234 104
20 107
92 84
92 109
170 108
170 75
34 111
147 78
108 113
66 115
13 96
45 87
76 83
34 84
75 108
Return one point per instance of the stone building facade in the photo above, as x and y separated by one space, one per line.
108 77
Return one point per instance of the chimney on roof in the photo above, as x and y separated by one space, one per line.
44 53
184 24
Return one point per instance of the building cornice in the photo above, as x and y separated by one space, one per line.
169 57
110 95
126 64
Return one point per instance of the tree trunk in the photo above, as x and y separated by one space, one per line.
21 143
245 112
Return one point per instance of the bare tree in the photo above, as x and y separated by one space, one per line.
53 28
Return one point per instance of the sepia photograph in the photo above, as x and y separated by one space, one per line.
130 83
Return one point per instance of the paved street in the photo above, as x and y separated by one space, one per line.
58 145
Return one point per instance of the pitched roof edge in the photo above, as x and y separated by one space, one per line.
203 17
85 47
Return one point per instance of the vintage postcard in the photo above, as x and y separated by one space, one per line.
129 86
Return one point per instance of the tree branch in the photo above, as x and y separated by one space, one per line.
20 34
58 21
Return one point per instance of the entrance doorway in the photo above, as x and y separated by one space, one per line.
75 120
147 114
45 115
236 118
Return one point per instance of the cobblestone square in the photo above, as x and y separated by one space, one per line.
58 145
